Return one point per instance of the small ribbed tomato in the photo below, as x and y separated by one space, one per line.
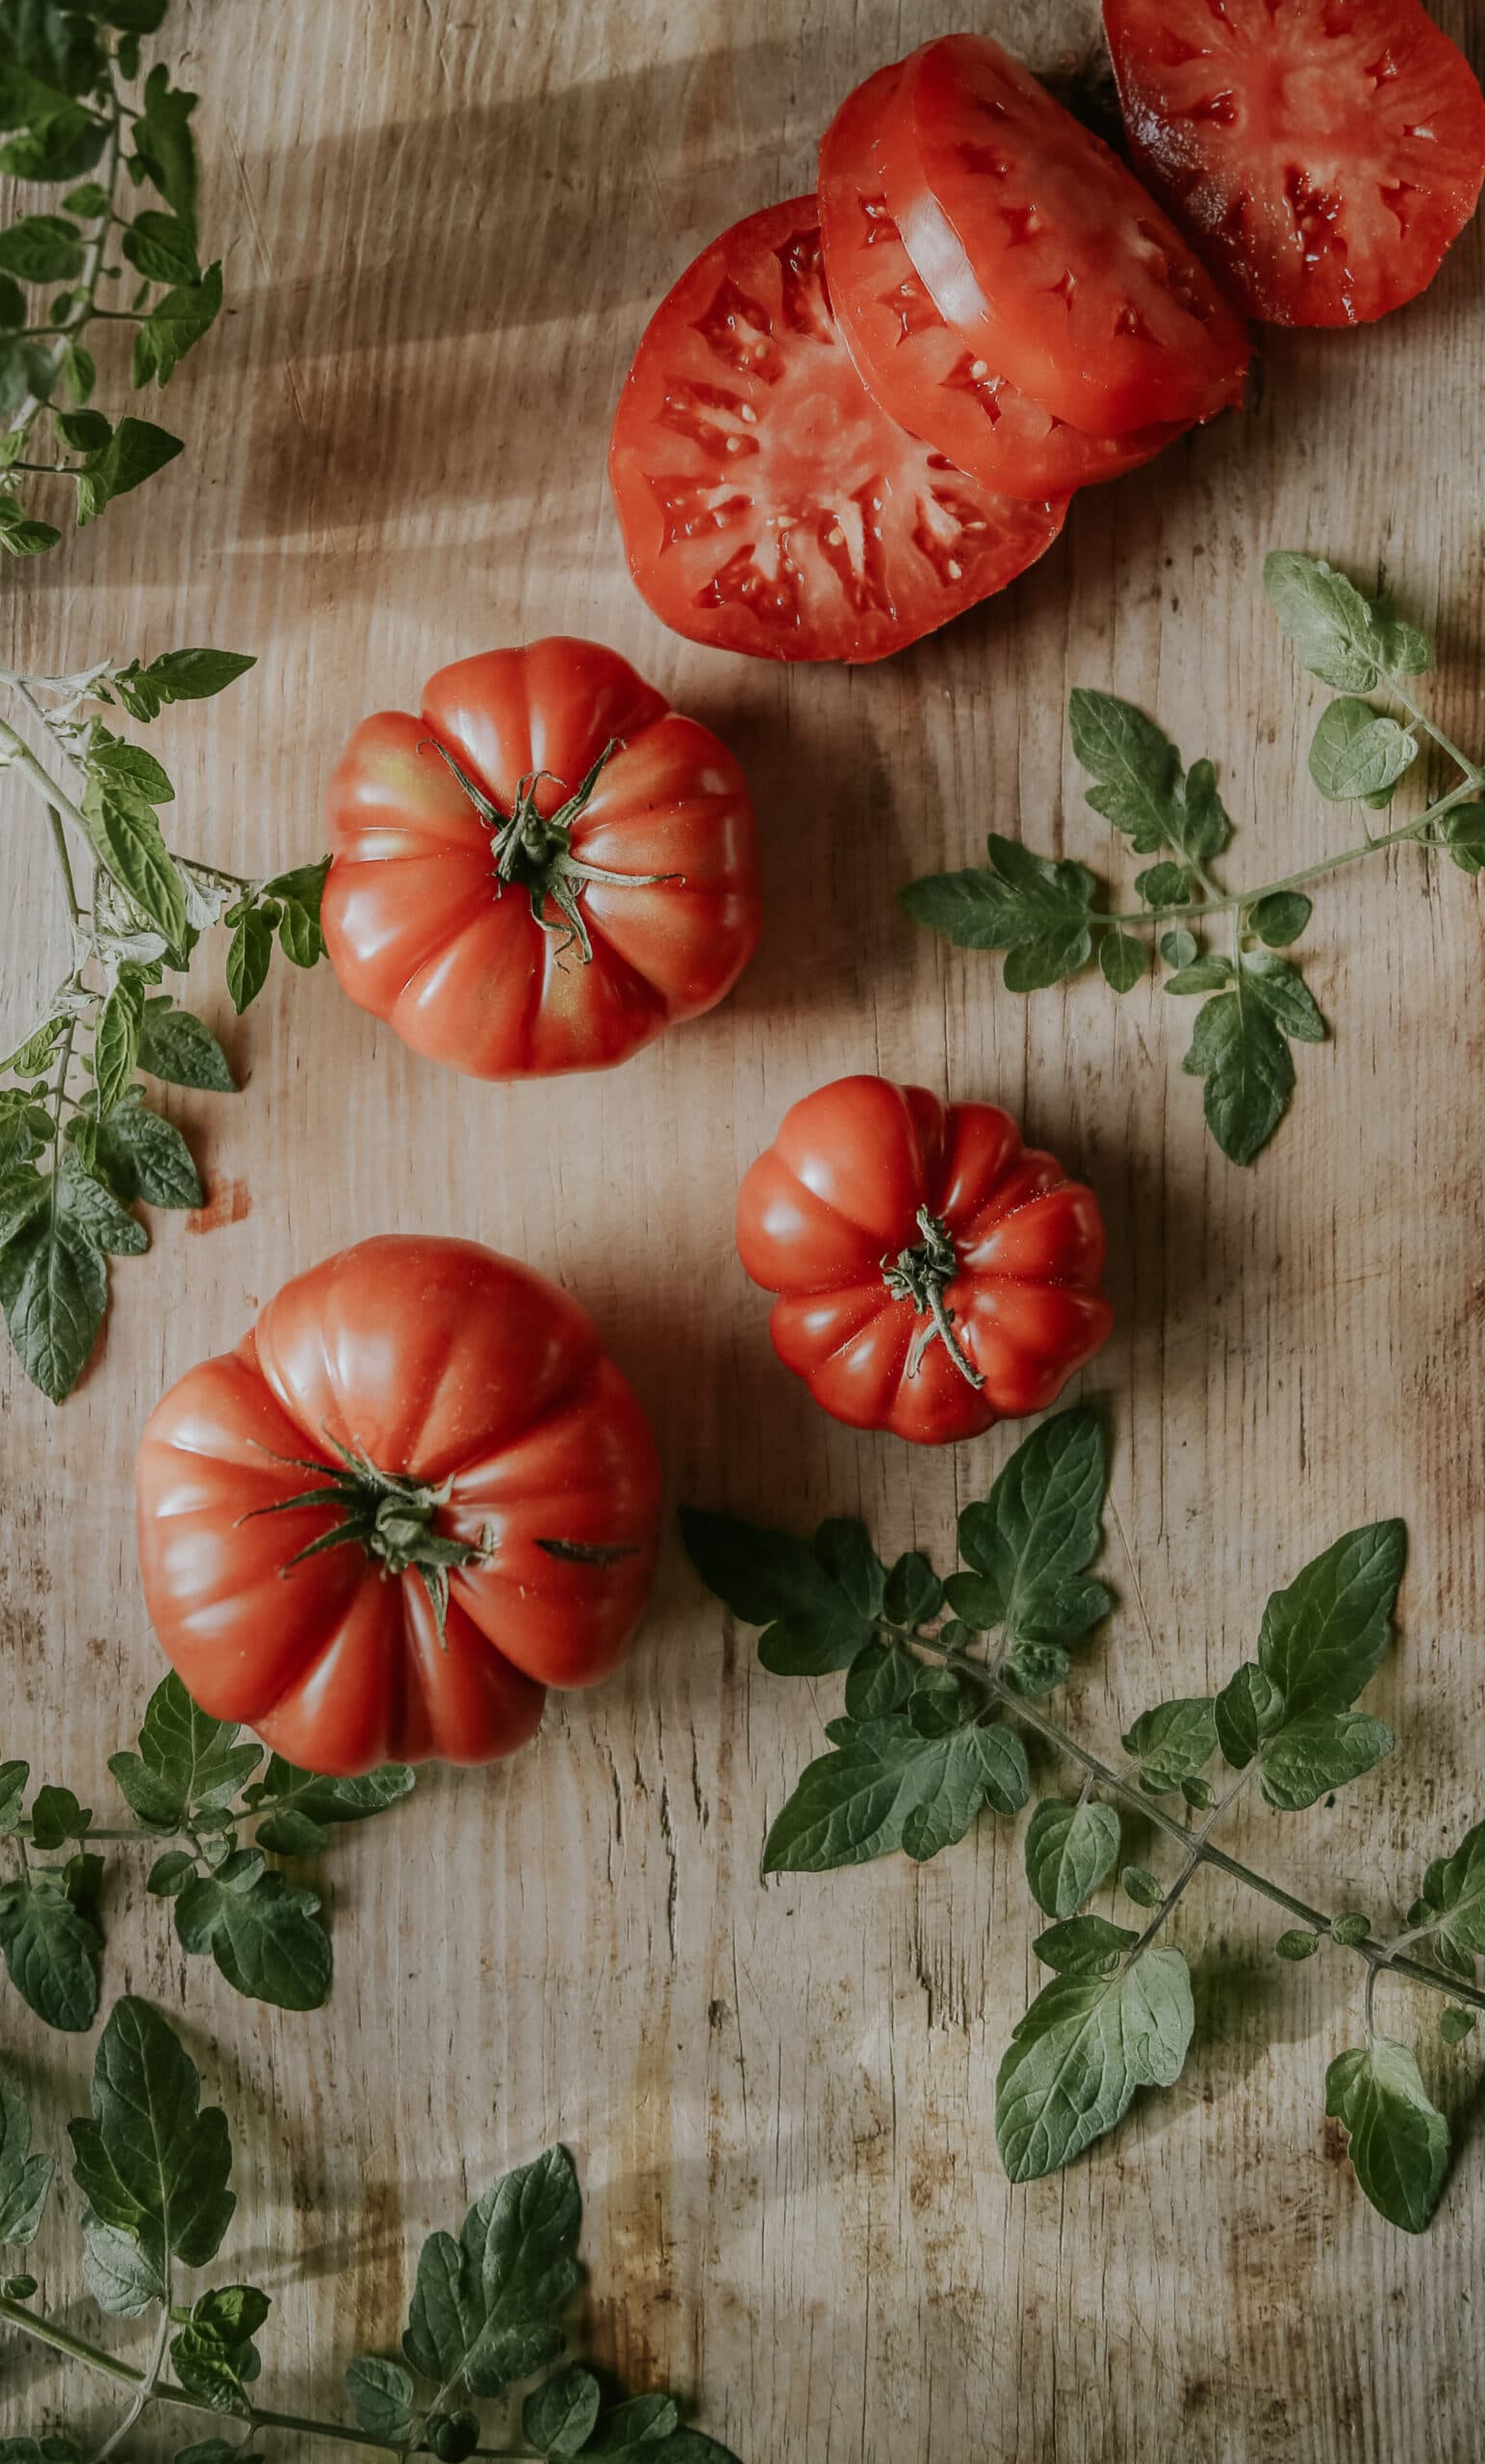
545 870
934 1275
414 1496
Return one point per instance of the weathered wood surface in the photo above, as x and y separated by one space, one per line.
442 228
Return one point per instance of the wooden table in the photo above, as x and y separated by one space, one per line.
443 229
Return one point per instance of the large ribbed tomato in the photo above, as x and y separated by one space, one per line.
934 1276
543 871
414 1496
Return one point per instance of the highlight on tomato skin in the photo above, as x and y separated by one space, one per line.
934 1275
543 871
768 504
1323 155
414 1496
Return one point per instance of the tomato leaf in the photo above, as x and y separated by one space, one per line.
1036 1533
52 1944
134 452
1036 909
776 1581
1309 1757
179 1047
1454 1893
1124 960
1083 1945
145 1156
153 2168
1325 1636
1244 1056
1172 1742
485 2308
187 1763
299 1808
1281 917
175 324
1079 2055
1358 752
1249 1708
1400 2142
1070 1849
25 2180
560 2417
886 1786
265 1938
383 2394
1341 636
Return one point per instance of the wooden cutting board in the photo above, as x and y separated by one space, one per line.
443 227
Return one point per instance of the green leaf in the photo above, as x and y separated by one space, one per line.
145 1157
76 373
1033 1537
1207 826
1332 626
123 2277
845 1552
1173 1742
41 248
1400 2142
1297 1945
170 1873
383 2394
14 1777
161 247
1324 1637
299 936
1069 1851
1455 2024
878 1682
452 2436
111 759
1349 1929
1249 1075
300 1807
484 2310
32 1056
561 2416
1203 975
152 2164
887 1786
127 835
1136 768
1035 1669
53 1287
1034 909
776 1581
645 2421
1280 918
1165 886
1082 2050
52 1951
1083 1945
57 1817
1284 996
249 954
174 326
12 315
55 147
1358 752
913 1594
1249 1708
1179 950
265 1940
187 1763
90 202
85 1202
180 1048
163 143
196 675
1454 1891
1123 959
134 452
1463 834
1325 1749
28 538
116 1043
24 2180
1144 1889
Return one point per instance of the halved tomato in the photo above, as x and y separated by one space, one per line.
1324 154
920 369
1045 253
768 504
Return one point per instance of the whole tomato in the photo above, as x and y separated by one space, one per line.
414 1496
545 870
934 1275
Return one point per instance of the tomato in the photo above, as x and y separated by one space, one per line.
545 870
918 367
1324 154
414 1496
768 505
934 1276
1045 253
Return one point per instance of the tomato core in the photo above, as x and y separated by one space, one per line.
919 1275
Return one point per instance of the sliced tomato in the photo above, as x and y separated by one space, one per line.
1324 154
767 502
1045 253
921 369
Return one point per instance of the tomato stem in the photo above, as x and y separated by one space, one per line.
393 1518
919 1275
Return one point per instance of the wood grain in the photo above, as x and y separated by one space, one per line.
443 225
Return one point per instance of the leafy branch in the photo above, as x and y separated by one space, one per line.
155 2172
80 118
191 1782
79 1143
941 1678
1045 912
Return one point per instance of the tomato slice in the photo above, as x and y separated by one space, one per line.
1044 252
921 369
768 504
1324 154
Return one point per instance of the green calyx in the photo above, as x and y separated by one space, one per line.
534 852
919 1275
391 1518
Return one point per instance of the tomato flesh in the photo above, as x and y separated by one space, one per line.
1324 154
1039 248
836 1199
920 368
768 504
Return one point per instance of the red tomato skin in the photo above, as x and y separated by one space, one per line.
919 367
421 935
440 1362
1324 158
1031 284
838 1193
768 504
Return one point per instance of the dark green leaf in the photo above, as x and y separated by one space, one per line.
84 431
187 1761
152 2164
163 145
1249 1075
52 1949
1323 1751
1165 886
116 1043
248 956
1400 2142
1280 918
55 1290
889 1786
1249 1709
145 1157
179 1047
55 1816
1455 2024
1083 1945
1454 1892
1326 1636
1069 1851
1173 1742
1206 826
1035 1669
57 147
14 1777
484 2311
1039 1528
775 1580
1034 909
174 326
1123 959
1296 1944
170 1873
1203 975
41 248
24 2180
134 452
1463 834
90 202
125 831
878 1682
1284 996
560 2417
13 304
845 1552
383 2394
1358 752
1136 768
1082 2050
915 1594
1349 1929
1144 1889
161 247
645 2421
265 1940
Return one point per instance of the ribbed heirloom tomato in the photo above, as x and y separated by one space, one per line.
934 1275
414 1496
543 871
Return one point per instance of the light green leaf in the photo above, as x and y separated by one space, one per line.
1331 623
1144 1889
116 1043
175 324
1173 1742
152 2164
1358 752
1034 909
1326 1636
126 836
1203 975
1082 2050
485 2308
1179 950
1400 2140
1297 1945
1069 1851
1136 769
1454 1889
1325 1749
